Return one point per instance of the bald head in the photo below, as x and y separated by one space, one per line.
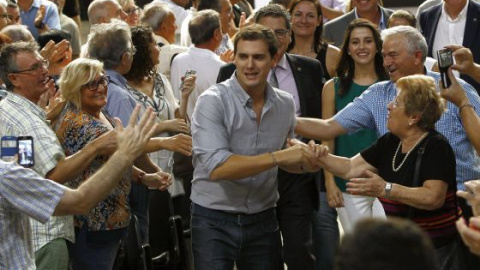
103 11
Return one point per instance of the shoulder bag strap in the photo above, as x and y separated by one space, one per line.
416 175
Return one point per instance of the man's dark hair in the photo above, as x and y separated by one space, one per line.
53 34
275 11
393 244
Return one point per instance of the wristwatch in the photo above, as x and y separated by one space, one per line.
388 189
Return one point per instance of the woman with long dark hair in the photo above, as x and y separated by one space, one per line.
307 25
360 65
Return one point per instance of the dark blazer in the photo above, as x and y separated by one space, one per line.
308 74
334 30
471 39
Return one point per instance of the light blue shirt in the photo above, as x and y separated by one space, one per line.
51 19
224 123
23 194
369 110
120 103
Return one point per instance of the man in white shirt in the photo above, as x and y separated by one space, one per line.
205 31
162 21
453 22
178 8
224 8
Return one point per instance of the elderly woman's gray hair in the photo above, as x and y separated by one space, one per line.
415 40
108 42
154 14
76 74
421 98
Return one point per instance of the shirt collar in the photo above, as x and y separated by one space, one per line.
36 3
283 63
27 104
462 15
245 99
160 39
117 78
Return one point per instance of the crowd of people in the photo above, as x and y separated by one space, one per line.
265 124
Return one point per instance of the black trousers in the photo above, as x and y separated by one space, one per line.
298 198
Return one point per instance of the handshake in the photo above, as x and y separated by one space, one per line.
301 157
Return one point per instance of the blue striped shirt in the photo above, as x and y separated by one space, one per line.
23 194
370 111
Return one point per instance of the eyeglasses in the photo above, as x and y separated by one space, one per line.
132 10
93 85
281 33
4 16
36 67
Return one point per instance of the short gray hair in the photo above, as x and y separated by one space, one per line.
108 42
415 40
8 58
154 14
17 33
203 25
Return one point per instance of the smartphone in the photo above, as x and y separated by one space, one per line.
25 151
445 60
188 73
9 148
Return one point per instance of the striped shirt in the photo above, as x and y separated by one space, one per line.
21 117
23 194
370 111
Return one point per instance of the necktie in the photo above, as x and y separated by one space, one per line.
273 78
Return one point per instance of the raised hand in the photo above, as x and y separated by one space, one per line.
133 138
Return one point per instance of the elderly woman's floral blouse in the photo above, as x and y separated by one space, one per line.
75 129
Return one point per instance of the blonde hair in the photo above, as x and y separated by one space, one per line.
421 98
75 75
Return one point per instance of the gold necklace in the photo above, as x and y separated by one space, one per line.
408 153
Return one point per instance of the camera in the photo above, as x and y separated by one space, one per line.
445 60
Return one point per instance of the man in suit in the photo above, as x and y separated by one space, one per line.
334 30
459 25
301 77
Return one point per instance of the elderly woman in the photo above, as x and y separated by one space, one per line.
390 169
83 84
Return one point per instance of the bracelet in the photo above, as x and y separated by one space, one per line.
465 105
140 177
388 189
275 164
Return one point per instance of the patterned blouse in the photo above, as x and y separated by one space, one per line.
75 129
164 105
